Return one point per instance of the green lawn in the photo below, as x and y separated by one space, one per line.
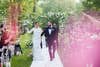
23 60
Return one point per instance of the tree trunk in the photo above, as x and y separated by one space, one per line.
13 14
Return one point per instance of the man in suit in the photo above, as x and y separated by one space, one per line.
50 34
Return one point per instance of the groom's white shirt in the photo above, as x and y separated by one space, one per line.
50 30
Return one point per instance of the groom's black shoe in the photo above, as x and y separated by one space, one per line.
51 59
53 56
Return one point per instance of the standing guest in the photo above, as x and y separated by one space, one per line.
4 37
1 32
4 45
1 64
18 50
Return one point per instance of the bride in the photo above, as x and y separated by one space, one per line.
36 39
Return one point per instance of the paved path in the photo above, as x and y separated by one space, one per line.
46 63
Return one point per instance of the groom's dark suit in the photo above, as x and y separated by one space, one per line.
50 34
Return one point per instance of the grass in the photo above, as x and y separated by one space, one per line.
23 60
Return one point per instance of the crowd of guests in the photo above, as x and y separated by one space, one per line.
8 47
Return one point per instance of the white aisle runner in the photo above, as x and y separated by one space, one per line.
46 62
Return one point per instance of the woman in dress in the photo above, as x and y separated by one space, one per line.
36 39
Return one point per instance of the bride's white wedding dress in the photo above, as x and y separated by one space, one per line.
36 39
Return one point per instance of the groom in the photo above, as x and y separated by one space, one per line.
50 34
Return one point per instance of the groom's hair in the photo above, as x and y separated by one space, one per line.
51 22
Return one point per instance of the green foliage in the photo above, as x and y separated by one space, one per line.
26 9
28 12
55 17
60 10
3 9
92 4
57 11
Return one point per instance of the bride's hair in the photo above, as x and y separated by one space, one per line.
35 22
